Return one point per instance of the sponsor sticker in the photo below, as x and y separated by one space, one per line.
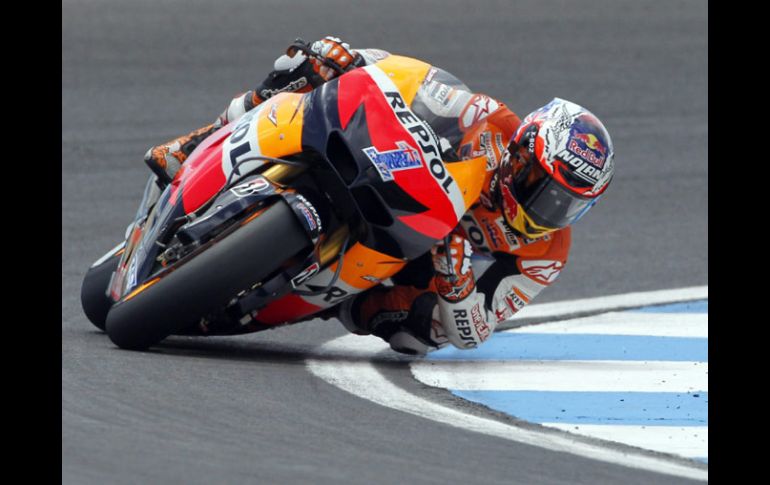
544 272
514 301
585 151
582 168
499 142
479 107
305 275
442 93
291 87
485 139
592 144
242 144
131 279
402 158
493 235
463 325
309 212
510 237
250 187
311 222
482 329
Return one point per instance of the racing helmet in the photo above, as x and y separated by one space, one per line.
558 164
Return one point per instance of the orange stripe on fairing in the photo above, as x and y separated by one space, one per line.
141 288
406 73
284 137
469 175
362 261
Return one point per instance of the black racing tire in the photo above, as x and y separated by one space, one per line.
208 280
93 291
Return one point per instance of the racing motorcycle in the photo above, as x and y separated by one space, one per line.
299 204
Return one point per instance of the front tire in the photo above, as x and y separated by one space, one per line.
207 281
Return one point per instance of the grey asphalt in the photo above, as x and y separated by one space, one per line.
244 409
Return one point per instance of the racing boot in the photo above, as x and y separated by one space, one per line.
165 160
403 316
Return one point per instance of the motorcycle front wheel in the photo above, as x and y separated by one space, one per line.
207 281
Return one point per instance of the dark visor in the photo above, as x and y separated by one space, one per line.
543 199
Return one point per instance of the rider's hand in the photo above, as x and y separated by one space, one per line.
460 251
334 50
454 281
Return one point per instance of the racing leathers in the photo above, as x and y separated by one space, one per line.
493 273
481 274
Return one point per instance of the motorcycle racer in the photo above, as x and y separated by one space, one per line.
543 173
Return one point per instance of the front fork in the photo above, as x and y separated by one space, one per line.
332 244
329 243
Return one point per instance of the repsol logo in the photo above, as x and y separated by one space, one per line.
463 325
424 136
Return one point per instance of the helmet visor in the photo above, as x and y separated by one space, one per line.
552 205
546 202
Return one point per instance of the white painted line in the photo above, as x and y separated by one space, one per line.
567 308
564 375
692 325
689 441
346 363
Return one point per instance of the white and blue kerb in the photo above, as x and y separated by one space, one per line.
638 377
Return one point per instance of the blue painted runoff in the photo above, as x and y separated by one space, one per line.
543 346
618 408
698 306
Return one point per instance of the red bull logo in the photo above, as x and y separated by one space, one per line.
592 150
592 142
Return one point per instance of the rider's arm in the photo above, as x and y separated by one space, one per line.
299 74
470 307
460 306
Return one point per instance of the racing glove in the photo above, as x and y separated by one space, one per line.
336 52
460 306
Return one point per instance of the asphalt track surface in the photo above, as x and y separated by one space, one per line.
245 409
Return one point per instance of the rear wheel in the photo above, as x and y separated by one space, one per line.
93 292
207 281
